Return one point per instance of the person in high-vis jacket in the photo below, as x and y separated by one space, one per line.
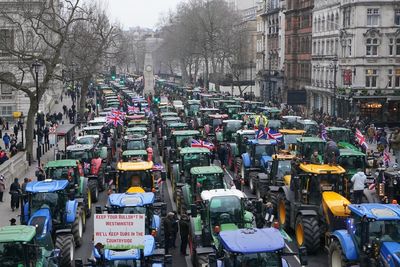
261 122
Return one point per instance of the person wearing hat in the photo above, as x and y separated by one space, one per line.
2 187
13 221
184 232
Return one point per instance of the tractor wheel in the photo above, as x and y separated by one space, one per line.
307 233
253 182
83 215
77 228
274 200
201 260
87 199
65 243
238 166
283 211
262 188
335 256
179 198
94 190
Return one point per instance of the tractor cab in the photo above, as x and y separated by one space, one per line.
139 123
97 121
233 111
134 155
138 131
310 126
92 130
206 178
65 169
289 121
281 169
252 106
88 139
289 138
214 120
271 113
181 139
351 161
343 137
230 127
305 146
259 153
134 142
193 107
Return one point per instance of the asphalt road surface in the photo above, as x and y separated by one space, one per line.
85 251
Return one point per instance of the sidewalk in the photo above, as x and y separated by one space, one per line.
5 207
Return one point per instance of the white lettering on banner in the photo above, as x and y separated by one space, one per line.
120 231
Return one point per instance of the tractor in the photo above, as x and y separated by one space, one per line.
343 137
94 164
312 204
139 203
256 158
166 131
252 247
50 209
305 146
371 237
72 170
192 108
134 155
310 126
289 138
19 247
229 130
386 186
221 210
187 158
88 139
236 148
233 111
202 116
179 139
135 142
277 174
200 179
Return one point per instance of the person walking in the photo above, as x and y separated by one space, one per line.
395 144
16 129
371 132
222 154
358 181
175 228
15 190
184 233
2 187
168 229
6 140
40 175
23 189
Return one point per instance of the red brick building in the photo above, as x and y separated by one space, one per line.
298 34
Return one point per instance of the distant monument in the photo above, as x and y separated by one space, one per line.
151 45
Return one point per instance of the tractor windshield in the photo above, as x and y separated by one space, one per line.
271 259
195 160
183 141
12 254
194 107
64 173
83 155
225 209
264 150
322 183
130 179
208 182
133 210
233 126
290 138
352 163
385 231
135 144
284 168
340 136
87 140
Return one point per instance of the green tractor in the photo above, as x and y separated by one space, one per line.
179 139
343 137
233 111
221 210
20 248
187 158
230 128
166 131
72 170
305 146
192 108
200 179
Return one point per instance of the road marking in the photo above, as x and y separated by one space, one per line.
291 251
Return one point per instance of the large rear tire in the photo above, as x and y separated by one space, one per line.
67 249
307 233
94 190
77 228
179 198
253 182
336 257
283 211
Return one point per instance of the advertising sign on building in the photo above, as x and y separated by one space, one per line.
120 231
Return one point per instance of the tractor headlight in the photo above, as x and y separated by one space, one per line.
395 181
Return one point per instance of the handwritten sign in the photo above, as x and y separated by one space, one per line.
120 231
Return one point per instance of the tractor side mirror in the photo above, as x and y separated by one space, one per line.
193 210
303 256
99 210
212 260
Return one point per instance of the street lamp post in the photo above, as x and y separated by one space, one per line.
335 68
36 65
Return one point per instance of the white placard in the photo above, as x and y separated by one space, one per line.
120 231
52 139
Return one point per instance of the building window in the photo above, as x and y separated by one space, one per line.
397 17
6 42
6 111
6 89
372 46
394 47
371 76
373 16
349 47
390 78
397 79
346 17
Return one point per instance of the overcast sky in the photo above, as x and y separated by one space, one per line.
144 13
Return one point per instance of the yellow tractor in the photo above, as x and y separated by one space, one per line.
289 139
312 204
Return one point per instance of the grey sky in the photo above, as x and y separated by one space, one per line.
144 13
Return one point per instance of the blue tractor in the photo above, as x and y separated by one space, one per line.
134 203
50 209
256 159
254 247
372 237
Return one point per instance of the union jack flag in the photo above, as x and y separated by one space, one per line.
86 165
260 134
323 133
158 167
386 158
132 109
206 144
114 119
272 134
118 113
361 139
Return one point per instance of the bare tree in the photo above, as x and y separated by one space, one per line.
39 32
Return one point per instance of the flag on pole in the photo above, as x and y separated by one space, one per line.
386 158
323 132
361 139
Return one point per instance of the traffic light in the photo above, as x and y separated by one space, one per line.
113 72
